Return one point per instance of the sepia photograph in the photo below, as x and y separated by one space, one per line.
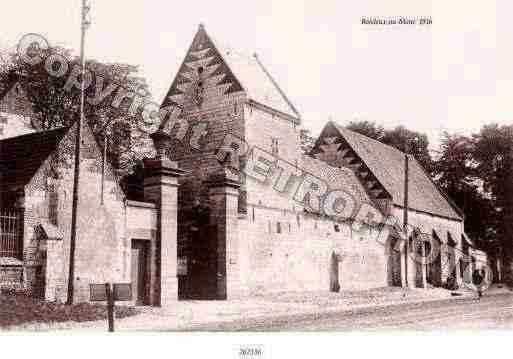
256 179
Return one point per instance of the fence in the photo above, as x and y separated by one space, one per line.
11 232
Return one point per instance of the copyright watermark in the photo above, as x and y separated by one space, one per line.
253 162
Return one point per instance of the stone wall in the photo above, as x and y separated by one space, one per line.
102 250
284 250
450 256
261 128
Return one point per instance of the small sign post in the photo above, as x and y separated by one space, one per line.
110 306
110 293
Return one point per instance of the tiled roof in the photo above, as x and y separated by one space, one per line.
260 86
335 178
387 164
229 71
22 156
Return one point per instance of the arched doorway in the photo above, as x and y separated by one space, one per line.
434 261
394 262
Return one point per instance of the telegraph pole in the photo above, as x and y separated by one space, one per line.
405 214
405 204
78 141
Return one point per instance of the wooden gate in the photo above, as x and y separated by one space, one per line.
202 264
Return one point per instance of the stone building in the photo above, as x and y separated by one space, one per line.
229 206
265 235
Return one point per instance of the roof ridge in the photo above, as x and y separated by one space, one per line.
440 190
276 85
37 133
387 165
367 137
225 50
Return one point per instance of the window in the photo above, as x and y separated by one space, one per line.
450 241
274 146
278 227
336 227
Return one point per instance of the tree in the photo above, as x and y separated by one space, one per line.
455 172
307 142
54 105
494 156
455 168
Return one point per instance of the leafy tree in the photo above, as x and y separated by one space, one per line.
307 142
494 156
456 173
54 106
455 167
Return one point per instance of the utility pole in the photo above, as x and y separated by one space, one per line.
405 215
78 141
405 204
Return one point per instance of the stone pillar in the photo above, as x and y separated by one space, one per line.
161 187
448 261
412 265
425 264
458 265
224 195
419 258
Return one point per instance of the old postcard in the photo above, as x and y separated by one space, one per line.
255 166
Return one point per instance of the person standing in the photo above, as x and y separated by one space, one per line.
477 279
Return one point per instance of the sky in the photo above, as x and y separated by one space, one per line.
453 75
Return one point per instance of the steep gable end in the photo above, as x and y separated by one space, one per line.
381 168
202 68
210 68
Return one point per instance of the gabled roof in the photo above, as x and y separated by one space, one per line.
238 71
387 164
336 178
22 156
260 86
380 168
